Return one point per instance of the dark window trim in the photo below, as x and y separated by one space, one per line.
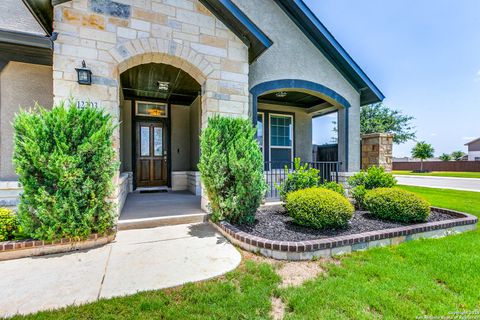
266 131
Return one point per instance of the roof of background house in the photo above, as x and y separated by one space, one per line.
258 42
475 140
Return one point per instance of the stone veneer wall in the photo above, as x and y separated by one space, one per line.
377 151
113 36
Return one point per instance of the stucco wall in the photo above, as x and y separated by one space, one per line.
302 128
180 138
293 56
21 84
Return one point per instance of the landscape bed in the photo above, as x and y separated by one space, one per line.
275 235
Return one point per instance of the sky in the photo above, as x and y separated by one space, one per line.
424 55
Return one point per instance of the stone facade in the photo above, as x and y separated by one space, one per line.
377 150
115 37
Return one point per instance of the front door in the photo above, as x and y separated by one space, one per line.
151 154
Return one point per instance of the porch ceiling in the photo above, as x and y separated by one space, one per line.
143 82
292 98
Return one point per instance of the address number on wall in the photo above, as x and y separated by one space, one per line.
83 104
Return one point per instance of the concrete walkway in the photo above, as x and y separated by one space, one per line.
466 184
137 260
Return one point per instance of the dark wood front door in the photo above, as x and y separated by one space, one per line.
151 154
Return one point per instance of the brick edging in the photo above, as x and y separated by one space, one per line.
263 246
28 248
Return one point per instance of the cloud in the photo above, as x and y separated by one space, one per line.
433 134
468 138
477 77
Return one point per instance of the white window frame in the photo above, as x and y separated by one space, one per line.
263 133
154 103
270 147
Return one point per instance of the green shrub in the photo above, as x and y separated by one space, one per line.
373 177
65 161
302 177
319 208
8 224
397 205
231 168
337 187
358 194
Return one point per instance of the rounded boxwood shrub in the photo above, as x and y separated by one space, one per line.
397 205
231 169
331 185
8 224
65 161
302 177
319 208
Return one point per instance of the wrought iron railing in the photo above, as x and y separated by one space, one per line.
277 171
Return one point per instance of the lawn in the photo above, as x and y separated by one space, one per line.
426 277
440 174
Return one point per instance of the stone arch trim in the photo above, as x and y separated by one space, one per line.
147 50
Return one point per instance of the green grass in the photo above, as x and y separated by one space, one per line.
440 174
241 294
465 201
426 277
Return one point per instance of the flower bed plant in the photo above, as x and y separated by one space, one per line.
231 168
397 205
374 177
8 224
319 208
65 161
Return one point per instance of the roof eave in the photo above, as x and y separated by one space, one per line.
306 20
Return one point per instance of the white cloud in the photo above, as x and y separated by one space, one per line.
477 77
468 138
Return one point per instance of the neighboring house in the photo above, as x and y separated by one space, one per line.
473 150
162 68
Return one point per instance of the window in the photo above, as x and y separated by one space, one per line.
260 130
151 109
281 140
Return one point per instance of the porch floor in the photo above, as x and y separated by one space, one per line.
161 204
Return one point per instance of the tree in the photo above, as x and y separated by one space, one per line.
422 151
458 155
445 157
378 118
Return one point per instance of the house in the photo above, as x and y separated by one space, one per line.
162 68
473 150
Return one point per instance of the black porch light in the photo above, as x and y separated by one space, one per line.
84 74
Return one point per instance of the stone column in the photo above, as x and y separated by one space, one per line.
377 150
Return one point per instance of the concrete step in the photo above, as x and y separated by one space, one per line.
145 223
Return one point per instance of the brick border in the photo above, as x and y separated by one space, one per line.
328 247
29 248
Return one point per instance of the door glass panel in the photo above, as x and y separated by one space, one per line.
157 141
145 141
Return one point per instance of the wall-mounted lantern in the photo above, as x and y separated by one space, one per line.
84 74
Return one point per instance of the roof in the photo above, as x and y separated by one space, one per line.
473 141
25 47
257 42
311 26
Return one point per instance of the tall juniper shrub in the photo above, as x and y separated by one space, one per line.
65 162
231 168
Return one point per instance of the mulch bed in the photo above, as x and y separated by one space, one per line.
273 223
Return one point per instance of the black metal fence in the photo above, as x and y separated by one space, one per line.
277 171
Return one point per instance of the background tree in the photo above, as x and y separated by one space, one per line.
378 118
422 151
445 157
458 155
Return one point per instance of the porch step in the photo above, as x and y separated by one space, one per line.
161 221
